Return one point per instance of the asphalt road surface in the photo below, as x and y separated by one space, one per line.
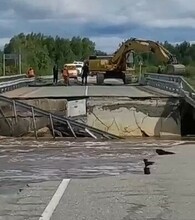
96 180
77 91
113 87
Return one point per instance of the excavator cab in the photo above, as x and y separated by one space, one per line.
174 60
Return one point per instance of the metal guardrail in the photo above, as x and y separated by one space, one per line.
171 78
8 83
164 85
170 83
14 84
174 84
12 77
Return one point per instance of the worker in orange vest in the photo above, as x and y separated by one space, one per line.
65 75
30 73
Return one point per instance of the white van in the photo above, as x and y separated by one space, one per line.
79 66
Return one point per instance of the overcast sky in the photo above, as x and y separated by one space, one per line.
107 22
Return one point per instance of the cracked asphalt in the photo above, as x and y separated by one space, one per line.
106 179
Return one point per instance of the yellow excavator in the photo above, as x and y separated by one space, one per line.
115 66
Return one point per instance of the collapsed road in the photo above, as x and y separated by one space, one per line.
84 179
123 111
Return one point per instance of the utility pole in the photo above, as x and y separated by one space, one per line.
20 63
3 64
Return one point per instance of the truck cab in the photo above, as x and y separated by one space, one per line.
79 66
72 70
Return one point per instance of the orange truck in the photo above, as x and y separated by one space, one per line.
72 70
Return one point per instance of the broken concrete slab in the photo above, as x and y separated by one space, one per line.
52 105
151 117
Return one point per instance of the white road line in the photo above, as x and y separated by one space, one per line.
86 90
55 200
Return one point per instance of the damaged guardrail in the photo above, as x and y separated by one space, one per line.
168 83
57 124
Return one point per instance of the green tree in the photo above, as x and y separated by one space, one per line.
41 52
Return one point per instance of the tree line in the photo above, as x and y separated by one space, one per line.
41 52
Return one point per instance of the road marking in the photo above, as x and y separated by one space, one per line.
55 200
86 90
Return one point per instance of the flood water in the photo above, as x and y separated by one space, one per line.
32 161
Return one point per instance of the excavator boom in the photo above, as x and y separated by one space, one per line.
115 66
143 46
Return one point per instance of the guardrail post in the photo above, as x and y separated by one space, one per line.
52 126
69 125
15 111
34 122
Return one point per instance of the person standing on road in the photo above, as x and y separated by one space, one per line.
65 75
30 73
55 74
85 73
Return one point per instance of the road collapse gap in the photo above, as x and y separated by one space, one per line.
187 119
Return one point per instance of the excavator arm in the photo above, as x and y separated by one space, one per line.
142 46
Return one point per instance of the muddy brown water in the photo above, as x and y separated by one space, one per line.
32 161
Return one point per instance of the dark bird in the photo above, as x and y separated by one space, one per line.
146 170
20 190
163 152
148 163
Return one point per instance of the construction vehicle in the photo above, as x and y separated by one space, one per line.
79 66
72 70
115 66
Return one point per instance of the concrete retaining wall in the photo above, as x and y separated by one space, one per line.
58 106
155 118
23 124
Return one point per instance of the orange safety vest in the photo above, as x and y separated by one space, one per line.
31 73
65 73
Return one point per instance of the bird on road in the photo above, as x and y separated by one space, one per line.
148 163
163 152
146 168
